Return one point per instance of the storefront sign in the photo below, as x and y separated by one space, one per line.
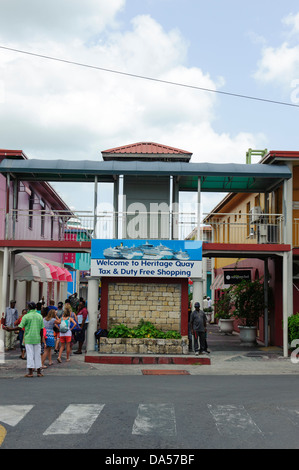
234 277
143 258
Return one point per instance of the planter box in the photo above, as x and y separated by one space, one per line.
227 325
144 346
248 335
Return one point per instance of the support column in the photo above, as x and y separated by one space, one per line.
198 207
287 296
287 278
95 207
197 295
3 298
92 306
266 297
175 209
197 292
115 220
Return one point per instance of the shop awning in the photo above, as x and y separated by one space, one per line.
59 274
68 275
53 271
44 271
218 282
26 269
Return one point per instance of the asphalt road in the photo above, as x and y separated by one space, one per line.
130 413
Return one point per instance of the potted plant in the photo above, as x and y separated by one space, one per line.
248 298
223 312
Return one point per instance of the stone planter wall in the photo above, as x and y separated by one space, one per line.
158 303
143 346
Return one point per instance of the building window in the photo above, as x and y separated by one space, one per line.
42 218
30 212
248 218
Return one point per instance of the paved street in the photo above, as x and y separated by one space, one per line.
150 412
245 399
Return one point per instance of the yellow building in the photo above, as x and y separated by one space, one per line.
259 232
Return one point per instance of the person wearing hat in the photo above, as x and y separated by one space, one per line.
198 324
33 335
11 316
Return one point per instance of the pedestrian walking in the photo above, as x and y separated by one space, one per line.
49 322
198 324
11 316
21 334
59 311
82 317
33 336
66 326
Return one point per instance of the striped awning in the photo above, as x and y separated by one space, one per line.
26 269
218 282
59 274
44 271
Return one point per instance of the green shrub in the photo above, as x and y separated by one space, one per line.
293 327
143 330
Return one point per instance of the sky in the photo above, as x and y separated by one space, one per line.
56 110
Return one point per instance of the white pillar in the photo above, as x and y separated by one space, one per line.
287 296
115 220
198 207
197 292
266 294
95 207
92 307
12 277
3 298
287 278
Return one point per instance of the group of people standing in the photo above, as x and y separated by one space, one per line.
43 329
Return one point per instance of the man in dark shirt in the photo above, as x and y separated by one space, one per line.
198 323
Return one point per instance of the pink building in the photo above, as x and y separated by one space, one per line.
29 211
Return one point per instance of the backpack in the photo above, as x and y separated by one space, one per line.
64 326
101 333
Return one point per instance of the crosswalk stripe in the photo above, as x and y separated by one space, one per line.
155 419
233 421
291 413
12 414
76 419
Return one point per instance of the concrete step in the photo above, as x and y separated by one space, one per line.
98 358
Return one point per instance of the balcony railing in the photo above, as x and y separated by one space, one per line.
245 228
83 226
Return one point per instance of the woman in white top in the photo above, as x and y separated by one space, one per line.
66 325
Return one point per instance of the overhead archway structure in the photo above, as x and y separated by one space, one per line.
191 177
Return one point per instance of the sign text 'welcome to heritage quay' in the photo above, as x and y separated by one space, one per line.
143 258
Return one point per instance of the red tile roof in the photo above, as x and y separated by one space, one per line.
12 153
146 148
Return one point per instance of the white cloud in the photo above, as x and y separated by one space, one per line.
55 110
59 19
280 65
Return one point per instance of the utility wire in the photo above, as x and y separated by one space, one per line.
167 82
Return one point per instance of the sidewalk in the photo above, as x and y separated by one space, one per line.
227 357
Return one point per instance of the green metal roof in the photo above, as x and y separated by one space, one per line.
215 177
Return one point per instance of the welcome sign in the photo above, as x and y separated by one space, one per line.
146 258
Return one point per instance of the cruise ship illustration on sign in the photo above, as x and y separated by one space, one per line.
145 251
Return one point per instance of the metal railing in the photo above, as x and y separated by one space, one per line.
296 232
83 226
244 228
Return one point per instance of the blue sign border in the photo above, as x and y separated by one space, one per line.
146 249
